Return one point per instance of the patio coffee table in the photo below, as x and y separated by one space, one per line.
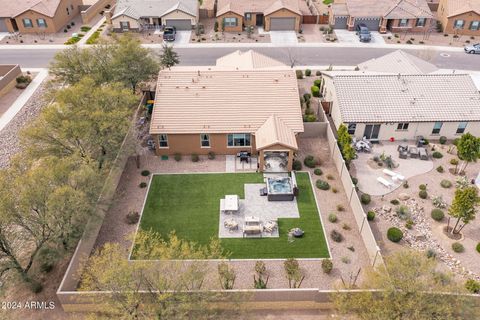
231 203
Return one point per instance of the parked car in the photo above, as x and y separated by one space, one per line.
473 48
169 33
363 33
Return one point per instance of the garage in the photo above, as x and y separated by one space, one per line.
282 24
373 24
180 24
340 23
3 25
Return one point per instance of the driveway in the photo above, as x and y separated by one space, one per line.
283 37
345 36
182 37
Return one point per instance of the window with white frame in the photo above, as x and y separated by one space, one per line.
230 22
27 23
248 16
125 25
163 141
403 126
459 24
437 127
461 127
420 22
238 140
41 23
475 25
351 128
205 140
403 23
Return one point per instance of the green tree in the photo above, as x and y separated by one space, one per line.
86 120
464 206
345 144
133 64
169 57
409 287
468 148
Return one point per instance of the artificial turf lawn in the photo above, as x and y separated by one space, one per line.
190 205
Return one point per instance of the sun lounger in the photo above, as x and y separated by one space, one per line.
222 205
423 153
395 176
385 182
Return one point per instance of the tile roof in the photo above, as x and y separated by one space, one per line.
274 131
261 6
456 7
407 98
153 8
248 60
391 9
409 9
398 62
12 8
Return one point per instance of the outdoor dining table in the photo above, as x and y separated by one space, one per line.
231 203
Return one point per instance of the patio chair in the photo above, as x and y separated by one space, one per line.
423 153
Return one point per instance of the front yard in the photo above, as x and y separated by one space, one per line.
189 205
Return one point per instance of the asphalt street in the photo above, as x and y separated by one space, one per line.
301 56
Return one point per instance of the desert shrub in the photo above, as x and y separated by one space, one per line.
332 217
440 169
454 161
299 74
330 177
437 214
215 26
345 260
142 185
93 38
370 215
409 224
473 286
446 184
309 111
422 187
85 28
336 236
437 155
23 79
334 190
195 157
354 180
318 73
365 198
346 226
405 185
327 266
35 286
395 202
177 157
478 247
315 91
458 247
340 207
309 118
431 254
322 185
47 258
403 212
438 202
310 161
308 72
211 155
394 234
307 96
423 194
297 165
132 217
317 83
318 172
145 173
443 140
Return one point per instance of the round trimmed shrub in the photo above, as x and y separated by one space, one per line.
318 172
394 234
132 217
145 173
336 236
315 91
478 247
354 181
177 157
443 140
211 155
440 169
365 198
473 286
437 155
318 73
310 161
422 187
332 217
308 72
299 74
317 83
458 247
322 185
446 184
195 157
142 185
454 161
370 215
395 202
297 165
437 214
423 194
307 96
327 266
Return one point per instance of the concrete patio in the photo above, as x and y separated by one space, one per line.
257 206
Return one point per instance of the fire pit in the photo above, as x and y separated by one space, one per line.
297 232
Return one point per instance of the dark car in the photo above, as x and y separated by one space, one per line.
363 33
169 33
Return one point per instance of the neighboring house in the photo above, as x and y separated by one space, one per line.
234 15
382 15
460 16
37 16
384 106
247 102
397 62
137 15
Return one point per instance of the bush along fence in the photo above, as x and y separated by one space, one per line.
366 233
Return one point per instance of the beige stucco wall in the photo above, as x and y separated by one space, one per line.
282 13
116 23
239 26
177 14
410 26
448 22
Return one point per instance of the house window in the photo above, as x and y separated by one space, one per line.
403 23
163 141
436 127
402 126
239 140
459 24
230 22
248 16
205 140
125 25
27 23
420 22
475 25
41 23
351 128
461 127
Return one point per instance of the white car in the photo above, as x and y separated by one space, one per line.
473 48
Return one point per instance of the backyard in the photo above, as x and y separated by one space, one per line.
184 203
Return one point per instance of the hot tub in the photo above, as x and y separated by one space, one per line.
280 189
